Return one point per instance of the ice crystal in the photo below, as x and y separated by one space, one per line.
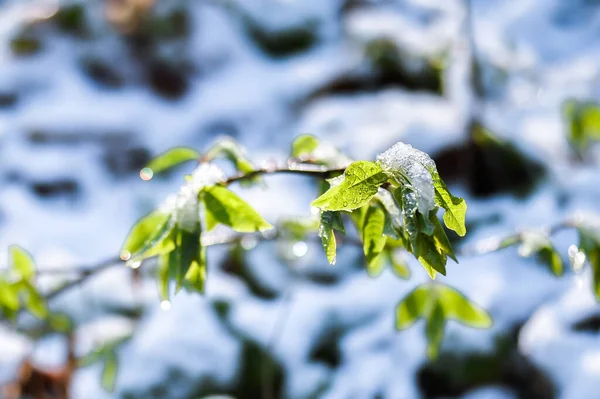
405 162
184 205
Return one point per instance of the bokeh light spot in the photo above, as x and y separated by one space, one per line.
146 174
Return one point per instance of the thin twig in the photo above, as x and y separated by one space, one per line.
480 248
494 244
296 169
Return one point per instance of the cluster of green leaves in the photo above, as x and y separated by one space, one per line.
583 124
107 355
178 243
17 286
386 208
384 203
437 303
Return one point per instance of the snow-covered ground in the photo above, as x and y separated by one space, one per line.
63 127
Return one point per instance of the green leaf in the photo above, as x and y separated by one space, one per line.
231 150
34 302
457 307
172 158
412 307
428 255
60 322
456 208
399 265
429 249
589 242
538 243
376 266
361 182
162 276
195 277
9 298
189 246
90 358
434 330
327 236
406 197
109 372
304 145
147 233
552 259
358 218
299 228
593 258
393 218
225 207
22 263
373 238
441 240
309 149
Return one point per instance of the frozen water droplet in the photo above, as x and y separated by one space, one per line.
248 242
125 255
573 251
404 161
136 264
578 261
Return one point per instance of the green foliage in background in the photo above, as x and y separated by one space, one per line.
393 206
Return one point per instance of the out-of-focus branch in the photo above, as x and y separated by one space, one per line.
493 244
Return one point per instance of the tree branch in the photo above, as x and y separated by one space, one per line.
323 172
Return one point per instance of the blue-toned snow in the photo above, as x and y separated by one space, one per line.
543 50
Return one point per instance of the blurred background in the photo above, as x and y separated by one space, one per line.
501 93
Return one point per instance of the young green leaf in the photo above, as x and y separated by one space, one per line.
109 371
428 255
358 218
412 307
308 148
298 228
172 158
231 150
593 257
393 217
22 263
195 277
190 255
457 307
225 207
60 322
373 238
538 243
434 330
361 182
162 276
327 236
34 302
399 265
9 299
455 207
406 198
441 240
589 242
147 233
90 358
304 145
552 259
